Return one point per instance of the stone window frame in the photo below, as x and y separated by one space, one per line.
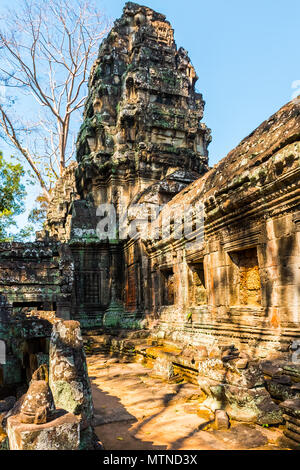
163 294
233 265
191 263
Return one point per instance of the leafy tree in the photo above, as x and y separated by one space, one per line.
12 193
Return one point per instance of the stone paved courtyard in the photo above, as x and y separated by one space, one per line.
136 411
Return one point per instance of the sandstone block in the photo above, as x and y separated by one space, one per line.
228 373
241 364
61 433
163 367
280 391
291 407
221 420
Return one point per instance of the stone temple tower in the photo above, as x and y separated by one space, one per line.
142 119
142 140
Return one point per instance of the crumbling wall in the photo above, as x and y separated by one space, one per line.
59 213
36 282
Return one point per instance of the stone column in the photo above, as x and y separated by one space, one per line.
68 376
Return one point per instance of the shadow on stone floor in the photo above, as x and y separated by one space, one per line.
134 411
117 429
113 424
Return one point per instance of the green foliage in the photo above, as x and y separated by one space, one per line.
24 234
12 193
118 107
189 317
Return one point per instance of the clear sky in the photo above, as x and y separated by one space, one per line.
246 54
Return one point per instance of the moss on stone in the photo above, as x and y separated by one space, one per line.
64 395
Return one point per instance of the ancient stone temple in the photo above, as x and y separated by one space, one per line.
142 141
216 274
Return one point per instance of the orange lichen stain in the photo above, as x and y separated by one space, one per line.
205 414
157 350
274 319
3 434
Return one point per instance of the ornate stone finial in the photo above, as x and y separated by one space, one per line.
38 404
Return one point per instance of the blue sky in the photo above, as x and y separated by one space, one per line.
246 54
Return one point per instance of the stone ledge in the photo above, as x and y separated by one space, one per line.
62 433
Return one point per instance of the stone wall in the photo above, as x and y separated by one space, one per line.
36 284
241 283
37 276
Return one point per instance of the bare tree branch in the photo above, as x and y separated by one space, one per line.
47 51
8 128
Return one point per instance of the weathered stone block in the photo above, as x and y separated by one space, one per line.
280 391
291 407
251 405
163 366
228 373
221 420
241 403
63 433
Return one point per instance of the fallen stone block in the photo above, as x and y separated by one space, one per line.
292 370
241 363
291 408
221 420
271 368
251 405
163 367
280 391
228 373
292 421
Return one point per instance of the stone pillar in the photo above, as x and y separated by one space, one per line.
68 376
5 315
